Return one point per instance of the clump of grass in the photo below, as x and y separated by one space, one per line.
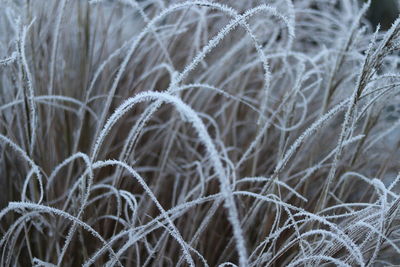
198 133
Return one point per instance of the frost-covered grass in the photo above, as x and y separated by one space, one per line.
198 133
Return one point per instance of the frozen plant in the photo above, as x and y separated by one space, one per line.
198 133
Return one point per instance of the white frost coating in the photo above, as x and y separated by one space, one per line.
9 60
35 168
201 130
17 206
244 148
301 261
312 129
175 233
31 92
60 13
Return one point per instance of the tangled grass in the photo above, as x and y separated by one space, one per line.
198 133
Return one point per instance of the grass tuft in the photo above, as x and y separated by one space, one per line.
198 133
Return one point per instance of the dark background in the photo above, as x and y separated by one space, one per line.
383 12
